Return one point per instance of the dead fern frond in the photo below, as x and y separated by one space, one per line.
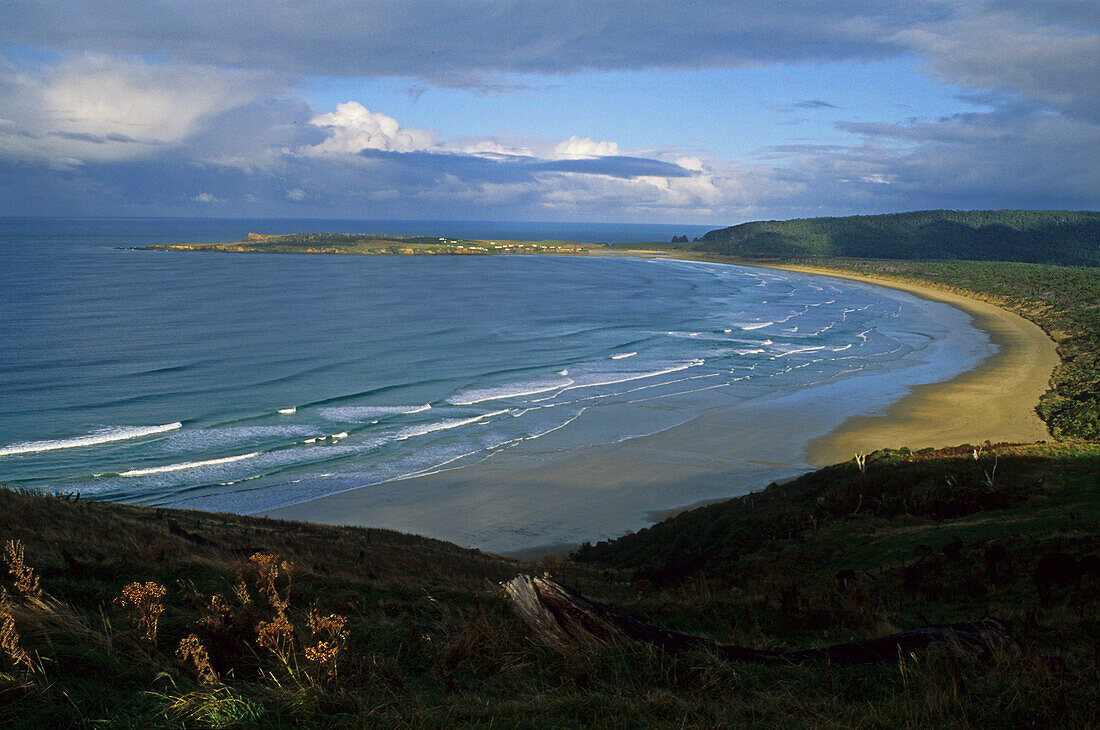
192 649
144 603
240 589
330 637
215 616
267 572
26 582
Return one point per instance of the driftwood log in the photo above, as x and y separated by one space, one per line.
567 620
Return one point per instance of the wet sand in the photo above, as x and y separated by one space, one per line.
515 502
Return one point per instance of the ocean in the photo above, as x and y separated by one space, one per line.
246 383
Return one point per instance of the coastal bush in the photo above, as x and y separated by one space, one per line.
1068 238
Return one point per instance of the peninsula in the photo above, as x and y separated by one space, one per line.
378 245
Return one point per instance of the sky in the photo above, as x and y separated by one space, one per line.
604 110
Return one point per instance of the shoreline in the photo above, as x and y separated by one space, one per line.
599 486
995 401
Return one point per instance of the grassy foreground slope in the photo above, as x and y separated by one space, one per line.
1068 238
372 628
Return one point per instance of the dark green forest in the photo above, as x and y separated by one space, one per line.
1067 238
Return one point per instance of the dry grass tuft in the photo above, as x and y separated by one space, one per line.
145 604
9 636
217 707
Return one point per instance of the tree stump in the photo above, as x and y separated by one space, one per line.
567 621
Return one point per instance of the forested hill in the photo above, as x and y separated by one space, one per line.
1068 238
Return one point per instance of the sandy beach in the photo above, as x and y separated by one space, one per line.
504 504
996 401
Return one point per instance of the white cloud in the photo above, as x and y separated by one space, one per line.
97 108
353 128
296 194
582 147
206 198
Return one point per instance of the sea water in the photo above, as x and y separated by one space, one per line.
247 382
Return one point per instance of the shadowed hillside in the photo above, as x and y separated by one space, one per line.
134 617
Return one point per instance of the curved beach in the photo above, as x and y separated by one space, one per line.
994 402
596 490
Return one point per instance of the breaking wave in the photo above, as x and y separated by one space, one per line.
104 436
187 465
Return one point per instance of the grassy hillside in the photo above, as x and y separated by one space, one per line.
895 501
372 628
1068 238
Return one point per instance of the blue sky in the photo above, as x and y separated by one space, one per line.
723 112
696 112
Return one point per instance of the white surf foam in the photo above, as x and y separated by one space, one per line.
483 395
288 411
104 436
187 465
355 414
636 376
411 431
755 325
623 355
797 350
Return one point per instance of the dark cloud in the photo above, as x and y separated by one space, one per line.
94 138
1041 50
815 104
515 168
464 41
